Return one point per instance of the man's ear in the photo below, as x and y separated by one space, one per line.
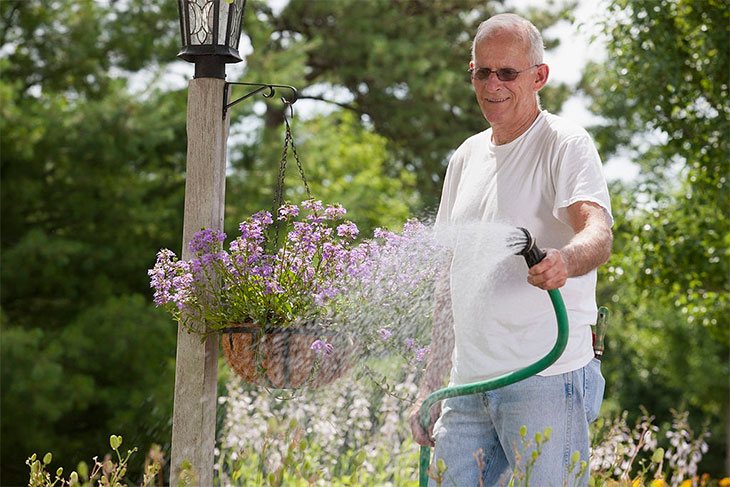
541 76
471 64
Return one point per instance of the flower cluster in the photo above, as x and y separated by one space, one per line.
389 290
634 455
379 293
334 422
247 282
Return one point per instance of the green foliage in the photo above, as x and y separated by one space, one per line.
74 46
343 162
400 67
92 184
103 474
77 383
669 275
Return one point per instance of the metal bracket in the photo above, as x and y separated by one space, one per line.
259 88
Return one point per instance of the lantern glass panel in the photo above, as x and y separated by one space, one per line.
201 15
235 22
222 24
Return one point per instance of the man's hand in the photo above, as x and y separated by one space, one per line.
421 436
551 272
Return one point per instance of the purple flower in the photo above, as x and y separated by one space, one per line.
332 212
384 334
421 353
325 295
171 279
287 212
251 231
273 287
348 230
312 205
381 233
410 343
264 270
306 272
263 218
206 242
413 227
321 347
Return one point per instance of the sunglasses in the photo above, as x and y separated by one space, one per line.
503 74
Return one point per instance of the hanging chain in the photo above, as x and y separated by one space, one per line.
279 193
288 141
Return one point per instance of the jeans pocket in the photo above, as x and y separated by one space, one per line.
595 385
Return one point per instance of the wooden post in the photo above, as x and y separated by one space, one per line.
196 368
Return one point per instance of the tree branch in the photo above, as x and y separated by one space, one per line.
333 102
8 21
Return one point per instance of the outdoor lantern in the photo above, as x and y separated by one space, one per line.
211 31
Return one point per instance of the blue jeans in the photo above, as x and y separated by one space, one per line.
478 436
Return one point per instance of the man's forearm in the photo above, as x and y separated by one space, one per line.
589 248
591 245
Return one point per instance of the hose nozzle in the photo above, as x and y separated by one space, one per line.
527 247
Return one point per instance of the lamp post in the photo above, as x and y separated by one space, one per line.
210 31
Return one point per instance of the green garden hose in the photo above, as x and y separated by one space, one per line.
533 256
495 383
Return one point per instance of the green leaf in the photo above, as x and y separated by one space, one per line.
658 456
83 470
115 442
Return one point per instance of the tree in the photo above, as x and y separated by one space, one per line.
91 186
342 162
400 66
663 93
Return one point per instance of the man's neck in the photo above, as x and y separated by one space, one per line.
505 134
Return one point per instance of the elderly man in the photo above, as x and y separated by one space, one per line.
535 170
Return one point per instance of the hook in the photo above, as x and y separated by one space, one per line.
271 93
294 95
258 88
290 105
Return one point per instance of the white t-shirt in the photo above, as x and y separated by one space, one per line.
502 323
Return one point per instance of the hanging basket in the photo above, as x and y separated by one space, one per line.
282 357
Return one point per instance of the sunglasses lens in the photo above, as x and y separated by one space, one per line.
507 74
504 74
481 74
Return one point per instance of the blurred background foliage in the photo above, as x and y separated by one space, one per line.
93 170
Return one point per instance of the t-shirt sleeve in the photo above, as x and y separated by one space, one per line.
579 177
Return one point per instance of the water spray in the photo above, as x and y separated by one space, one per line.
527 247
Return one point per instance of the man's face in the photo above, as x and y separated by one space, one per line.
504 103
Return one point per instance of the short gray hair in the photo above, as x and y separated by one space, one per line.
519 26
